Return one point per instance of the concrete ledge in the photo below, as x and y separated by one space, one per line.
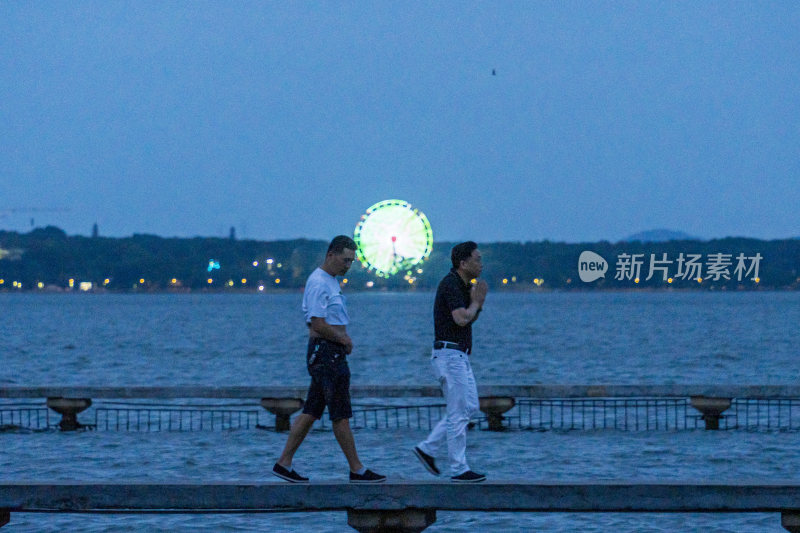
411 391
405 521
589 496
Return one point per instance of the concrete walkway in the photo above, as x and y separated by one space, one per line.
411 391
404 506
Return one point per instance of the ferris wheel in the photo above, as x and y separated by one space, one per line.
392 236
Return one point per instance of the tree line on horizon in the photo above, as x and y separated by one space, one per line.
47 259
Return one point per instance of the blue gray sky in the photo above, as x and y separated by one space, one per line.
568 121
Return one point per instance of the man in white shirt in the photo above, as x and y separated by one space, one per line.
325 310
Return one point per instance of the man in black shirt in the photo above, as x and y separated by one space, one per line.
458 303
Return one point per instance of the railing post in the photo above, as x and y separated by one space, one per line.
380 521
69 408
791 521
711 409
494 407
282 408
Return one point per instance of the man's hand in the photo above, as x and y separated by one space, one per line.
478 292
338 334
348 343
464 316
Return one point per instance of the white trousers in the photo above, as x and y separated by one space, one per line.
452 369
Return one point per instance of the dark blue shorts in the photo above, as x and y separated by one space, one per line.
330 380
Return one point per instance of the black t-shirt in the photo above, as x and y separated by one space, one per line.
452 294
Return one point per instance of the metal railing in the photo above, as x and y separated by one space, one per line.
557 414
579 408
27 416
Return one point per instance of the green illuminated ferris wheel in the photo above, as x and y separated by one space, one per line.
393 236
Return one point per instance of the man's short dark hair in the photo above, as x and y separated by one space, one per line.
340 242
462 252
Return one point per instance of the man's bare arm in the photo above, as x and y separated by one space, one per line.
464 316
320 327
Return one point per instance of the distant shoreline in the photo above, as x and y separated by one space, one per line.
48 260
299 291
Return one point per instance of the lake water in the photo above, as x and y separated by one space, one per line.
627 338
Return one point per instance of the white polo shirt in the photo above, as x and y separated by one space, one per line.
323 298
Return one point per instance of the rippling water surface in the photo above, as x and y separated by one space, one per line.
735 338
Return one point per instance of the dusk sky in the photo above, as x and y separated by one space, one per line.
501 121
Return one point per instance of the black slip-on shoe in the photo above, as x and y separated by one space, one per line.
367 477
289 475
468 477
427 461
